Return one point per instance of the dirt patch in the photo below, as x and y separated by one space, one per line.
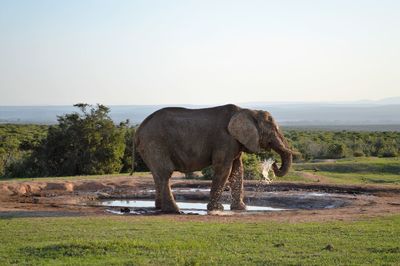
80 197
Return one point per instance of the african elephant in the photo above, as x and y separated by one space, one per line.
187 140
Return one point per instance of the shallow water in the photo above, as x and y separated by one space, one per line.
182 190
185 207
194 201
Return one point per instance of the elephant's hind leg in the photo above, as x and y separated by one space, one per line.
161 168
236 184
168 204
158 193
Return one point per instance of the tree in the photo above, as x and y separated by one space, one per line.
128 160
336 151
8 151
85 142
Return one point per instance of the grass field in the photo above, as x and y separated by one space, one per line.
370 170
162 241
355 165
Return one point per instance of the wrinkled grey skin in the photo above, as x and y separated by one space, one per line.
187 140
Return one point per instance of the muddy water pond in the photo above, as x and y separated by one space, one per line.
194 201
146 206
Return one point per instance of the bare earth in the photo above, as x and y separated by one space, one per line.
79 197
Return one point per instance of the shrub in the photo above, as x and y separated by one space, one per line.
358 154
336 151
251 165
388 151
82 143
208 172
191 175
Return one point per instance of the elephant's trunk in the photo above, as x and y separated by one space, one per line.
280 146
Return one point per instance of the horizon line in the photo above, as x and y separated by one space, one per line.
361 101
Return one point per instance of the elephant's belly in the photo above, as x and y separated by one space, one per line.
186 163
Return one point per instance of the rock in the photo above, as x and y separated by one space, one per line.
125 210
69 187
22 190
102 195
5 190
329 247
35 188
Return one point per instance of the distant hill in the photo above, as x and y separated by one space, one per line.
383 112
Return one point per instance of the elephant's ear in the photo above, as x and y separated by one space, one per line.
242 128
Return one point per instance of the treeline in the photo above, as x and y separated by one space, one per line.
88 142
342 144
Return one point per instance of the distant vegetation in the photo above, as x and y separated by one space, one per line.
85 142
88 142
17 142
343 144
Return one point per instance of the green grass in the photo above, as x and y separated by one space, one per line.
293 176
162 241
361 178
355 165
364 170
342 178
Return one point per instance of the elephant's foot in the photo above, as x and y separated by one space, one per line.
215 206
158 204
238 206
171 211
170 208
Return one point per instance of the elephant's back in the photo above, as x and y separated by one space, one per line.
178 116
176 124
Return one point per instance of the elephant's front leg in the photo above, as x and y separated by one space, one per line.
221 174
236 184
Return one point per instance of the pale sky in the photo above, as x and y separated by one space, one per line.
197 52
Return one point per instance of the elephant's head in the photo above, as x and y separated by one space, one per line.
257 130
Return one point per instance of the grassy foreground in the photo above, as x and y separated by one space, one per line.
161 241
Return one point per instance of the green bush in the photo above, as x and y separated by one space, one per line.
17 141
388 151
191 175
82 143
208 173
358 153
336 151
251 165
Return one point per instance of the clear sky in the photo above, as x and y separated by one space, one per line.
197 52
